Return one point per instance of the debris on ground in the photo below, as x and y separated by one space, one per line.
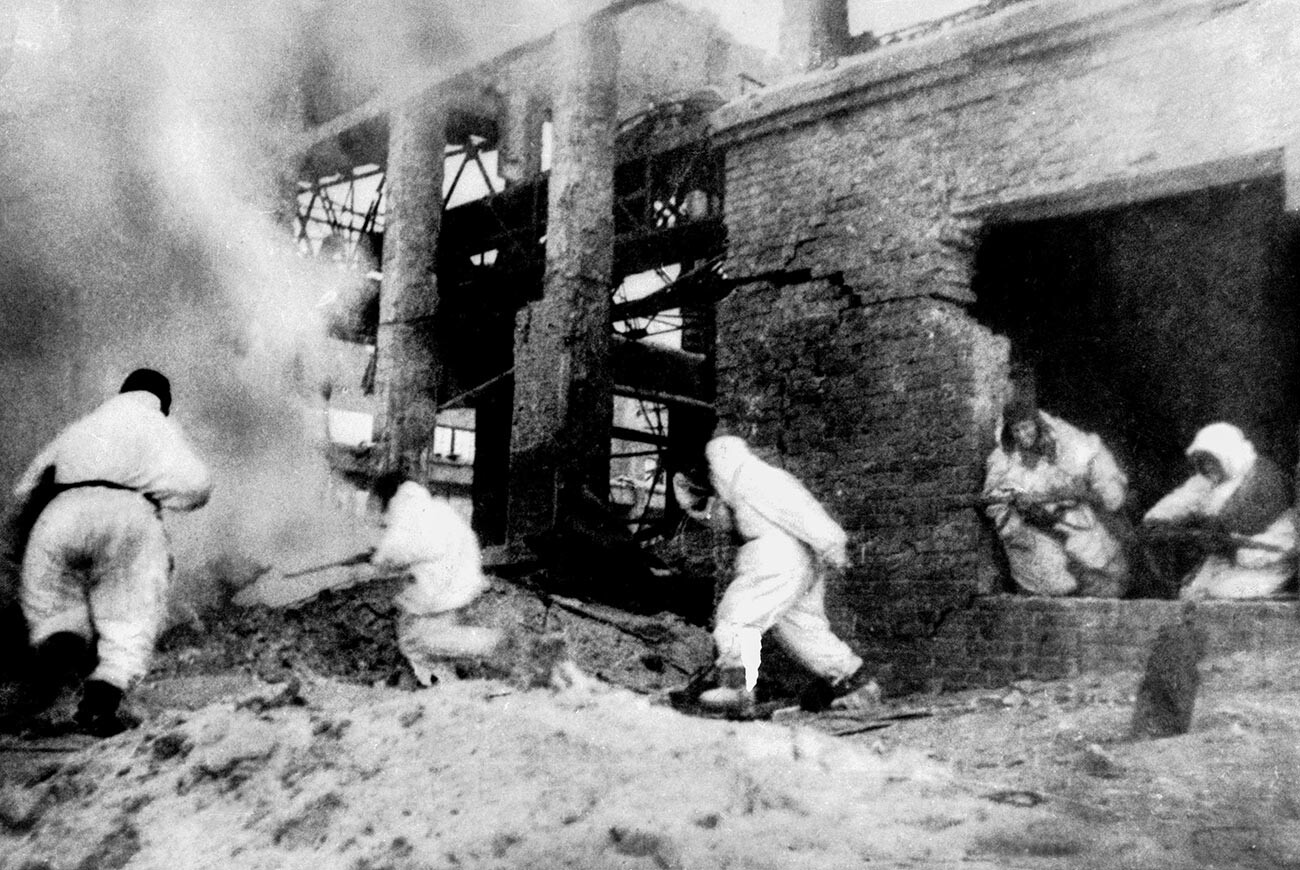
292 738
350 634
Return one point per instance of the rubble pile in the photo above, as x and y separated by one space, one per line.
349 634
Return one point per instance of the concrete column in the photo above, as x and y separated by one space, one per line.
408 367
563 389
813 32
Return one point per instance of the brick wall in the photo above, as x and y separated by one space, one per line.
872 408
1000 639
872 381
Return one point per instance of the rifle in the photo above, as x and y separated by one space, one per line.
357 559
1041 510
1021 500
1209 539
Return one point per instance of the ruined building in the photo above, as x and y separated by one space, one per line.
1095 198
859 249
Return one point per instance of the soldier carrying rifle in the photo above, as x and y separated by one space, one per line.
1053 492
1235 509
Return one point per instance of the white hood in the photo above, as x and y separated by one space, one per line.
1233 451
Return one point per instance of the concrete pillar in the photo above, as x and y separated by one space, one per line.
563 389
813 32
408 367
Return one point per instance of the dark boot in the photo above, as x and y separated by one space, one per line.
688 696
817 696
730 695
98 714
856 692
61 661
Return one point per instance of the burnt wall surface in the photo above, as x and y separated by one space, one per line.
875 381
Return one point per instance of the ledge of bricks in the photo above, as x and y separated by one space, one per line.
1004 638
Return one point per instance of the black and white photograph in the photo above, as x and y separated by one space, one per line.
649 434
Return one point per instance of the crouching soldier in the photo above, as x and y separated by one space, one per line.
1236 507
424 536
1053 492
96 567
788 543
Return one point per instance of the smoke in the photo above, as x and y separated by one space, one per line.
142 147
366 47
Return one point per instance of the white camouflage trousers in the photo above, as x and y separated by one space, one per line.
778 587
97 564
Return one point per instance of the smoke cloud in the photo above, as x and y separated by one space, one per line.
142 147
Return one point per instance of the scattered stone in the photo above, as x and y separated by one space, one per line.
709 822
653 662
311 825
1097 762
331 730
290 695
170 745
637 843
115 851
1016 797
1014 698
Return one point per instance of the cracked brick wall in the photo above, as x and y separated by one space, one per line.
872 381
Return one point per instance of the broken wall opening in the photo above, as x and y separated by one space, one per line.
1145 322
490 264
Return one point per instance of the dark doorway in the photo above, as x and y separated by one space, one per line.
1147 322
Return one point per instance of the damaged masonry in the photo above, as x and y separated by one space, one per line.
528 259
